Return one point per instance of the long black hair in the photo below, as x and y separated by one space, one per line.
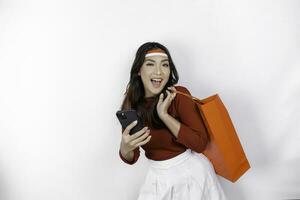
135 94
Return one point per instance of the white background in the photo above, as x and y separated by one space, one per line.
64 66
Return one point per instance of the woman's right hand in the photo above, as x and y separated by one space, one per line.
130 142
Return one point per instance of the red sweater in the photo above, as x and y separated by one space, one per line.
192 133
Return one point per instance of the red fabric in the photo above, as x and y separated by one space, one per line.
192 133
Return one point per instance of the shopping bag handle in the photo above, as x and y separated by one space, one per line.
189 96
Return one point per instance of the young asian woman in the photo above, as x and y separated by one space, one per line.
174 134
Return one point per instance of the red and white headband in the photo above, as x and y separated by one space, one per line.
156 52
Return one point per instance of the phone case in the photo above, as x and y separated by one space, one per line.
126 117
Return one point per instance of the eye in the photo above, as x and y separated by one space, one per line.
165 65
149 64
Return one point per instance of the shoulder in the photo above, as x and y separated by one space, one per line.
182 89
181 100
183 104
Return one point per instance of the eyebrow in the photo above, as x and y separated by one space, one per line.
154 60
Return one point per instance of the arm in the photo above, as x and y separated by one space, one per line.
172 124
192 132
130 157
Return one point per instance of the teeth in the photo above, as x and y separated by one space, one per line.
156 82
154 79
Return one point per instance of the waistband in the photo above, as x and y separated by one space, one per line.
164 164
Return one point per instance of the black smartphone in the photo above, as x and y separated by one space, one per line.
126 117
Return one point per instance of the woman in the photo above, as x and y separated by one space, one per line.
174 136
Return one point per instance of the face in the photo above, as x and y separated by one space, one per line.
154 73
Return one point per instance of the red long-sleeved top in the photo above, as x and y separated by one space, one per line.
192 133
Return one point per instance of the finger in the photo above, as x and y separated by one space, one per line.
173 89
169 96
168 93
145 141
129 127
141 138
173 95
161 97
138 133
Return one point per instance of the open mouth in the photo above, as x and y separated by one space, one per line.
156 82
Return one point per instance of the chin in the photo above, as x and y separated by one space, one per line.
156 91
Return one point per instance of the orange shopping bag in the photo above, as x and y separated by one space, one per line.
224 149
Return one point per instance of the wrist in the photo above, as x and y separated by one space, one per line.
164 117
123 151
127 156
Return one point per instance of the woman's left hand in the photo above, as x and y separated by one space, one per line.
163 105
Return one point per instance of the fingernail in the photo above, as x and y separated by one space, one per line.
135 121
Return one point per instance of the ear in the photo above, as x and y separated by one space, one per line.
139 73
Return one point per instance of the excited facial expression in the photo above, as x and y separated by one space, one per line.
154 73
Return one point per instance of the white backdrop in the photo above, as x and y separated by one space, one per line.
64 66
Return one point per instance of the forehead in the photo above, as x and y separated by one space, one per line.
156 58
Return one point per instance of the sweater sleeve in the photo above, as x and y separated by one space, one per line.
192 133
136 152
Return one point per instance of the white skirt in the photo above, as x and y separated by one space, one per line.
187 176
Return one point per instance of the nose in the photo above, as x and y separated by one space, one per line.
158 69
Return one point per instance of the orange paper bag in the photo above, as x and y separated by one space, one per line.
224 149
